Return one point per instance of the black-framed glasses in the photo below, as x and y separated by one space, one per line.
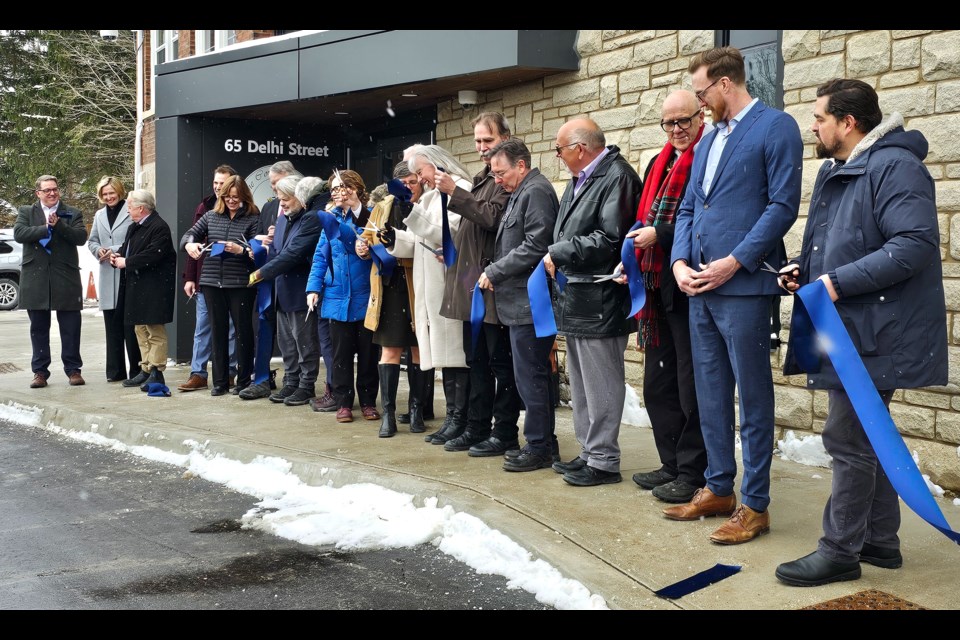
560 147
703 91
49 191
683 123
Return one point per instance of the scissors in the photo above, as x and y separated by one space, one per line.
768 267
611 276
436 252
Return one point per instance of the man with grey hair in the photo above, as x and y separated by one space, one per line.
596 211
50 232
263 378
295 239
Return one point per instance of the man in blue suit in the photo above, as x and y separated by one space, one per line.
743 196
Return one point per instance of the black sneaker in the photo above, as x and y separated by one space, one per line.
298 397
566 467
515 453
591 476
464 441
283 394
651 479
676 492
528 461
255 391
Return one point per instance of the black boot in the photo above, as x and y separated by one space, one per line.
426 400
389 379
416 402
155 376
412 375
454 381
136 380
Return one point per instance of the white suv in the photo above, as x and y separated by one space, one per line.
10 255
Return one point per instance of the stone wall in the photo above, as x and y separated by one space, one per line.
625 75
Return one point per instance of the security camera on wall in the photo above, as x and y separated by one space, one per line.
467 98
108 35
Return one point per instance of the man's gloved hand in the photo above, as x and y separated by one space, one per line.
387 234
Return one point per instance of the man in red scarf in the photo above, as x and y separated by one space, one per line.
668 388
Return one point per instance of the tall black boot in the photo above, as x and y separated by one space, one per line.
450 394
416 398
461 401
389 379
426 398
404 418
155 376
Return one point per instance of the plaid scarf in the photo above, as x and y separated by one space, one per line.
662 193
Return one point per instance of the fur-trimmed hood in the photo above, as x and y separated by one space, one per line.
890 132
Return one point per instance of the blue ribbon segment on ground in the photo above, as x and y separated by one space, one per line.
698 581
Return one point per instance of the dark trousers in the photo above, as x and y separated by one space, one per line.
118 335
531 370
326 347
349 339
493 390
670 397
69 324
222 305
863 505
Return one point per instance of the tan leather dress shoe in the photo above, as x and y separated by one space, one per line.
704 504
193 383
743 526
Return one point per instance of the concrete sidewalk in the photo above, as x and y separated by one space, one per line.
611 538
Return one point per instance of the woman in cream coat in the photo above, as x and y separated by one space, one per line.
440 339
107 233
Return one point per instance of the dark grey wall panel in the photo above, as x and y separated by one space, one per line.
397 57
255 81
548 50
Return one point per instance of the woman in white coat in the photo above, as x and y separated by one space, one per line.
440 339
107 233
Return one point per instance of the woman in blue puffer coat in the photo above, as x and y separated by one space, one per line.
343 292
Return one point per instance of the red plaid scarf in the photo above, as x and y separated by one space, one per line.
662 193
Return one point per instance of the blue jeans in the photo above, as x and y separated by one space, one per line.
203 341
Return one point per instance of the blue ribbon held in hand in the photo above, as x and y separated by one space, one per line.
385 262
478 309
449 251
628 256
814 302
541 306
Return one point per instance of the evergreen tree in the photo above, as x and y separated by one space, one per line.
67 108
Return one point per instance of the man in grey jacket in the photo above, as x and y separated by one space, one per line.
596 211
872 238
521 242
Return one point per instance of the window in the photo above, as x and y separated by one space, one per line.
210 40
763 60
166 46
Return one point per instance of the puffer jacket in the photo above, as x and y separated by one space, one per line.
873 225
228 270
590 230
345 294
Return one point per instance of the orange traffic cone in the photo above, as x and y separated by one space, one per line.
91 288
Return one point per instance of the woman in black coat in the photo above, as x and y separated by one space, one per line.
224 232
148 264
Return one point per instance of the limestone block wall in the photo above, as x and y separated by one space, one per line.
622 80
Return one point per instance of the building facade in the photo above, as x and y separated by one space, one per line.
357 98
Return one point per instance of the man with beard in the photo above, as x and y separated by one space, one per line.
872 239
743 197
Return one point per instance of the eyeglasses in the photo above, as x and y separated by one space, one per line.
337 190
703 91
683 123
234 198
49 191
560 147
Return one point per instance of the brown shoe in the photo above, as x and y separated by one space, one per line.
76 380
194 382
344 414
370 413
743 526
705 503
39 381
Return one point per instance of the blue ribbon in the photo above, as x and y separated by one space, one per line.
478 309
45 242
385 262
904 475
541 307
158 390
264 287
217 249
261 370
698 581
628 256
449 251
